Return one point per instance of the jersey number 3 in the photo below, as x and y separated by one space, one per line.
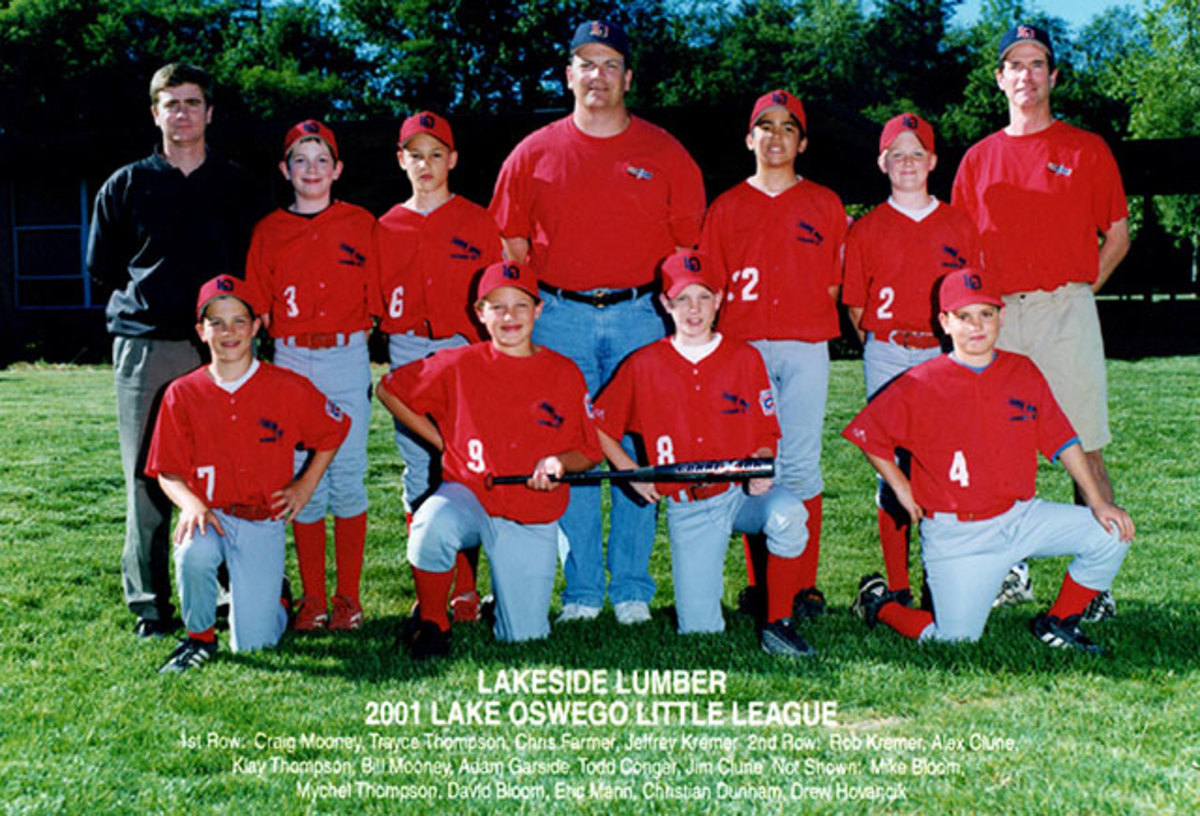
958 470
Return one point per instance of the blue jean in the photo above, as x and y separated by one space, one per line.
597 340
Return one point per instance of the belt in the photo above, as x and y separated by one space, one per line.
599 298
249 512
977 515
319 340
700 492
914 340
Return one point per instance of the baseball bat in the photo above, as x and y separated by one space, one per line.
711 470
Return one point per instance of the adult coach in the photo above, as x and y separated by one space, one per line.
160 228
592 203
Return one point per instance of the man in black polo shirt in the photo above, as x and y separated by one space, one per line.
160 228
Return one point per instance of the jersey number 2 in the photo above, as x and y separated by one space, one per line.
887 296
748 278
958 470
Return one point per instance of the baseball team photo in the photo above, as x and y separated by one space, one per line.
755 406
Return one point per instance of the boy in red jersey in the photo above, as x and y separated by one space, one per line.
778 239
309 275
503 406
974 421
699 395
895 256
429 249
223 452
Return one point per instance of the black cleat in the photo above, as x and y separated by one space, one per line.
153 628
1062 633
189 654
808 603
423 639
752 602
873 593
781 638
1102 607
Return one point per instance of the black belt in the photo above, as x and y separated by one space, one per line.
599 297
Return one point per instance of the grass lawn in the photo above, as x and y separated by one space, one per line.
86 725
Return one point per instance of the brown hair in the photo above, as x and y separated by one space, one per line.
175 74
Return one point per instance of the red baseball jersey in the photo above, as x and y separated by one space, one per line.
974 435
238 448
599 212
427 265
1040 202
313 273
721 407
500 415
894 263
780 255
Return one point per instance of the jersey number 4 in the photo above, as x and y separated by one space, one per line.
958 470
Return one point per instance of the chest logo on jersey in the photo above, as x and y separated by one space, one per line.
271 429
806 233
954 259
734 404
463 251
639 173
1060 169
1022 410
547 416
351 256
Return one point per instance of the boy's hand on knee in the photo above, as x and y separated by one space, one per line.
1114 518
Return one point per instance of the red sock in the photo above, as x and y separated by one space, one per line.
1072 599
209 635
755 547
349 540
310 557
408 524
812 550
464 571
783 582
433 595
893 538
908 622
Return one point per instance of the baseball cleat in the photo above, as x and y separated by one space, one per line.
464 608
808 603
752 602
310 616
1062 633
189 654
577 612
347 614
1016 588
1102 607
781 638
631 612
424 639
153 628
904 597
872 595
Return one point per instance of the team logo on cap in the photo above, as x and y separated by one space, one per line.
1026 33
310 127
511 272
427 120
224 284
779 98
598 29
691 263
972 281
909 121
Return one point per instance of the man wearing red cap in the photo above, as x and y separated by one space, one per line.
1051 211
592 203
160 228
778 239
310 274
505 406
974 421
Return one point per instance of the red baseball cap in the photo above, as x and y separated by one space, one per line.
219 287
506 273
906 121
426 122
966 287
686 267
310 129
779 99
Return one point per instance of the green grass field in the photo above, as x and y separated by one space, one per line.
86 725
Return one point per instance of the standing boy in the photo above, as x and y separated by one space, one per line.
700 395
429 249
499 407
223 452
974 421
777 238
310 276
895 256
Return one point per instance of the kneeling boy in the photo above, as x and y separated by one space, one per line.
499 407
223 452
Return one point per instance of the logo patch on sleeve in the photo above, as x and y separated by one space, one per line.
766 401
587 406
333 411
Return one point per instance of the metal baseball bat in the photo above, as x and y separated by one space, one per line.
711 470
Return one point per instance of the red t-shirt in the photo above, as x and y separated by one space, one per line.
974 435
718 408
427 266
313 273
894 264
599 213
500 415
238 448
1040 202
780 254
